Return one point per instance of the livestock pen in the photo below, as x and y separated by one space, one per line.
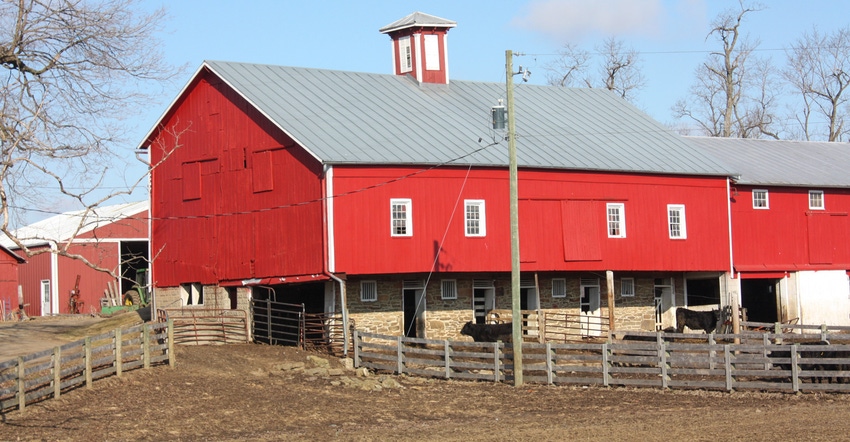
727 362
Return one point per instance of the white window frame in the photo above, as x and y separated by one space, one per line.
619 223
482 218
368 291
405 54
627 287
559 287
765 200
407 220
682 225
818 197
448 289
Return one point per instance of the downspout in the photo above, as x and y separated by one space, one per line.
150 275
328 250
729 225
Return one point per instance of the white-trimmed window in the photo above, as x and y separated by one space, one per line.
816 200
760 200
676 221
432 52
405 54
474 218
400 217
559 288
627 287
448 289
616 220
368 291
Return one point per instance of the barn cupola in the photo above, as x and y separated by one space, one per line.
419 47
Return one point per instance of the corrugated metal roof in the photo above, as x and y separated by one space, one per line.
782 163
64 226
360 118
418 19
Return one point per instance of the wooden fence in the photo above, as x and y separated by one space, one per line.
753 361
38 376
207 325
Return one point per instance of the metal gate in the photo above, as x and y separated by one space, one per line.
279 323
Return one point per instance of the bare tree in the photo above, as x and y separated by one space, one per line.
617 67
568 67
72 70
819 71
734 93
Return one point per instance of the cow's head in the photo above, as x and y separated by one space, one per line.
467 329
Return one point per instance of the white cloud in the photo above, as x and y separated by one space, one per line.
564 20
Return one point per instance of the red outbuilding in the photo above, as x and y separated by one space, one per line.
66 247
386 197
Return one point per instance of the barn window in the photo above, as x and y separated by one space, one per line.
616 220
192 293
475 218
405 54
368 291
816 200
559 288
400 217
676 221
627 287
760 199
449 289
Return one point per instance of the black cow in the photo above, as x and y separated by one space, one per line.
488 332
706 321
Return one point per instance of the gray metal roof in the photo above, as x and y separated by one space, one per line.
782 163
359 118
418 19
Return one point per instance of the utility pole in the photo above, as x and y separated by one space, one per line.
516 316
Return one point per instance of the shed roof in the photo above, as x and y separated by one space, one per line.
343 117
782 163
64 226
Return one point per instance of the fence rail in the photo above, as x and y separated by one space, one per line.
49 373
664 360
207 325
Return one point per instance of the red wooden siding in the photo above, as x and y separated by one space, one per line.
787 235
132 227
562 221
9 279
256 210
92 282
37 268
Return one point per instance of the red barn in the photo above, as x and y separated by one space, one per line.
790 222
9 263
385 197
114 238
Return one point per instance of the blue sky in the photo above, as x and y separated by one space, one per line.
343 35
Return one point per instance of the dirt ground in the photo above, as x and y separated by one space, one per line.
250 392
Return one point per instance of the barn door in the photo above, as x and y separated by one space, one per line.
664 316
483 299
45 297
589 305
413 297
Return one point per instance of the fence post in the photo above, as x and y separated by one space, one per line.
605 372
662 359
22 385
87 346
448 358
119 355
355 336
549 369
172 360
712 354
727 362
399 354
795 369
146 345
496 354
57 371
